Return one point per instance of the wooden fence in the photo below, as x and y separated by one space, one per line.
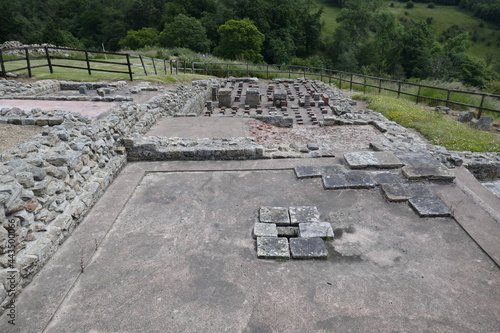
51 55
154 66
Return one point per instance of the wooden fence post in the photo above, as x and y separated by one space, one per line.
4 73
49 61
28 60
143 66
379 85
129 67
364 85
350 83
448 97
192 67
165 66
340 80
176 66
481 107
418 93
88 62
154 66
399 89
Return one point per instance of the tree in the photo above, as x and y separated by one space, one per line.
418 41
137 39
186 32
279 47
240 39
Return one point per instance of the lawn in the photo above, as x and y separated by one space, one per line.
439 129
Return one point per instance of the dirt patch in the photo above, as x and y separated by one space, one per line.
12 135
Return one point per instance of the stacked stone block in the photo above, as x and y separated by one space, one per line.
294 232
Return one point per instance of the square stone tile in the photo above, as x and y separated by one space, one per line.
432 172
304 214
334 169
377 159
395 192
430 207
288 231
417 158
359 179
307 171
418 190
277 215
318 229
335 182
387 178
273 248
265 230
308 248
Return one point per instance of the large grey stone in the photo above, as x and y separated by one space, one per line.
429 207
273 248
317 229
377 159
304 214
335 182
432 172
308 248
307 171
359 179
466 116
395 192
387 178
402 192
419 158
277 215
265 230
483 123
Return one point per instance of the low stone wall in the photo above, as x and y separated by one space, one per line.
49 183
175 149
14 89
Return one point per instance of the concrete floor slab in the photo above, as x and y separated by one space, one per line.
175 254
200 127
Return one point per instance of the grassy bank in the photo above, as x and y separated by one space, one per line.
439 129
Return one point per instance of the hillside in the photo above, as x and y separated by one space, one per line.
485 37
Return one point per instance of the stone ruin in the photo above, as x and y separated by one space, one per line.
49 183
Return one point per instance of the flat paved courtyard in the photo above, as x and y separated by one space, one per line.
169 248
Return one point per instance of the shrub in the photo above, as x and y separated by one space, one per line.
410 4
431 5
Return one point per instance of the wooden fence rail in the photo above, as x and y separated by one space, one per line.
51 58
154 66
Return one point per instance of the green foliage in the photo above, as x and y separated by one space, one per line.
431 5
410 4
185 31
240 39
139 39
438 129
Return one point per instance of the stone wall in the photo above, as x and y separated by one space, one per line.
14 89
49 183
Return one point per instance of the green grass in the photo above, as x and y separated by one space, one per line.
437 128
329 18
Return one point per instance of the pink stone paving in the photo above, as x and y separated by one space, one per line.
336 137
